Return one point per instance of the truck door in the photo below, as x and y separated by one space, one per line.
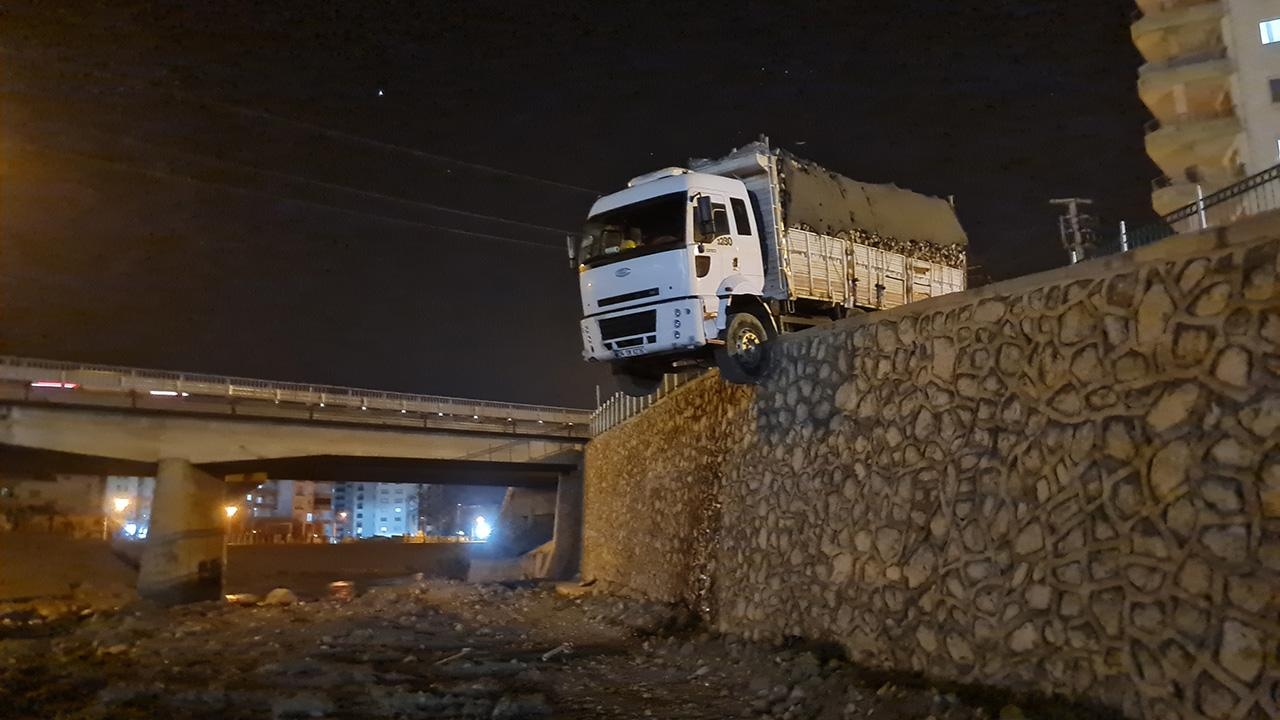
715 254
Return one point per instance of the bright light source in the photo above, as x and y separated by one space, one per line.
475 417
403 411
231 511
363 407
55 384
482 529
165 393
130 529
440 414
120 503
321 404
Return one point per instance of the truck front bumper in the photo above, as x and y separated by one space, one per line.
673 326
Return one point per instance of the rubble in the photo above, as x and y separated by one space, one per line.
444 649
280 596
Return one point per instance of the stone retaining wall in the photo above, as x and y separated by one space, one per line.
1066 483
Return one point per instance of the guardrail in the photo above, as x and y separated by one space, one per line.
1255 194
620 408
55 374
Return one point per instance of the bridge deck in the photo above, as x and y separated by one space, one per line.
27 380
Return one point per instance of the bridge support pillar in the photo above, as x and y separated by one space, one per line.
567 536
182 561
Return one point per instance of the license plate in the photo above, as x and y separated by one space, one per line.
629 352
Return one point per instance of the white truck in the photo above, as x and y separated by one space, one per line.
701 266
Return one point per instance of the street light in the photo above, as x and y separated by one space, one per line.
231 511
120 503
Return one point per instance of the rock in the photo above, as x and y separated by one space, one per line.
1153 315
1011 712
1030 540
280 596
1232 366
1169 470
1212 300
1174 407
1228 543
1241 651
303 705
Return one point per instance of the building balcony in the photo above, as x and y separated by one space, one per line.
1152 7
1169 194
1194 142
1179 30
1198 84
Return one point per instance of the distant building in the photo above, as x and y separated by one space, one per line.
71 504
127 502
1212 81
292 510
376 509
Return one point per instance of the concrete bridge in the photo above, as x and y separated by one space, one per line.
203 437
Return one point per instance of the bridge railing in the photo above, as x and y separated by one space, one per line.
622 407
108 378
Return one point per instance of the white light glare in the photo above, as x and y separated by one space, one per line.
482 529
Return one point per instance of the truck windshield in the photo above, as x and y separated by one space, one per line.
644 227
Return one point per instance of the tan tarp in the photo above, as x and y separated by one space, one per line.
817 199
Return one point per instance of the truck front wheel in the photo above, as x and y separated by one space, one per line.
744 356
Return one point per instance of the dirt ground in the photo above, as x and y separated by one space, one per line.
441 649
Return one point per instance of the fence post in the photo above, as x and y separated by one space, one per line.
1124 237
1200 206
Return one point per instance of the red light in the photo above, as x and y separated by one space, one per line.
55 384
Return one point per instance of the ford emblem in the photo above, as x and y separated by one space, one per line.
622 272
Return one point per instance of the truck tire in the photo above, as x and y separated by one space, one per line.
636 383
744 357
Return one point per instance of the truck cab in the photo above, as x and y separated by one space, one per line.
660 265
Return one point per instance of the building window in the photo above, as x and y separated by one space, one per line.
1270 30
1275 90
309 517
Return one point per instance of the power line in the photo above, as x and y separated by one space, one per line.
336 186
331 132
272 196
380 144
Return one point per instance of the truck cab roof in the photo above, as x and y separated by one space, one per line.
665 183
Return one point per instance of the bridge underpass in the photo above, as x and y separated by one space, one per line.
204 438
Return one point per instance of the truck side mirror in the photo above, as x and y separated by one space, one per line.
703 216
572 242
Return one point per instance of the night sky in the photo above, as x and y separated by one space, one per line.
255 188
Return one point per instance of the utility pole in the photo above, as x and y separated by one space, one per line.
1074 229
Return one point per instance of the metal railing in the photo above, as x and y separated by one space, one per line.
1255 194
108 378
621 407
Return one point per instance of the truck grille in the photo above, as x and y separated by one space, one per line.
628 297
639 323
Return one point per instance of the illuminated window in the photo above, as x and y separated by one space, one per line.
309 518
1270 30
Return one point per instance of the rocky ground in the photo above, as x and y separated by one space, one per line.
440 649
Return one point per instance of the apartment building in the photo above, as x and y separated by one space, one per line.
1212 82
